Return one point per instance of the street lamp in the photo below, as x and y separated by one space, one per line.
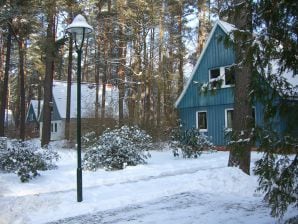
79 28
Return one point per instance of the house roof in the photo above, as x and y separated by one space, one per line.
227 28
34 105
88 97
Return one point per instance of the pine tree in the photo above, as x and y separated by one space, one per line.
276 50
241 17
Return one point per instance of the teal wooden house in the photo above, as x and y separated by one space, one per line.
212 111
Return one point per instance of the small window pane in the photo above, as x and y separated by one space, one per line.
229 76
214 73
202 120
55 127
229 118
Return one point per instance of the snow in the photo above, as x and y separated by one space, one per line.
166 190
9 120
227 27
88 95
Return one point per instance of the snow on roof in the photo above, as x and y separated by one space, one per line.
88 97
227 27
34 104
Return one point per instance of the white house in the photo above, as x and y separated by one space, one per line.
88 103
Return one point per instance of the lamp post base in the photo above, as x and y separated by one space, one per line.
79 185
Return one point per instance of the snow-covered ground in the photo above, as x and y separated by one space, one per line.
166 190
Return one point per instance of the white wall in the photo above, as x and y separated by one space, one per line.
57 130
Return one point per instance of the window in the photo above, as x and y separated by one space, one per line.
55 127
214 78
229 76
228 118
222 77
214 73
202 120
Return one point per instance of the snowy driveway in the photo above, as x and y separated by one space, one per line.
184 208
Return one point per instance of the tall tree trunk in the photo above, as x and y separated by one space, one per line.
181 49
22 87
242 116
48 82
68 94
96 78
85 77
121 70
5 81
160 64
203 26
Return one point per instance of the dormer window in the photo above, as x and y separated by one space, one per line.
214 78
222 77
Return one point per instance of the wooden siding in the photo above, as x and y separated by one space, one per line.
215 103
216 55
215 120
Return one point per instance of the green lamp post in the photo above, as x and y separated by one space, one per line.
79 28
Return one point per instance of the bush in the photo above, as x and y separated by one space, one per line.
116 149
189 142
25 160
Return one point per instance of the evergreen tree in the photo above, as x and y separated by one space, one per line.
276 50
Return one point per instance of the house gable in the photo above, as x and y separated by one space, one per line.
215 54
31 115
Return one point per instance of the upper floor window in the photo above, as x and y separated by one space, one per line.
222 77
215 78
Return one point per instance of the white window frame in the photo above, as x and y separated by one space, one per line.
226 118
222 76
197 120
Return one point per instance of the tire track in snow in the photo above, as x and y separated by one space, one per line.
143 179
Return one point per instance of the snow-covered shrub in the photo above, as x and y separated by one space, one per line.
3 143
89 139
26 159
190 143
115 149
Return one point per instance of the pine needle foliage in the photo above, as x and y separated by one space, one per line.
278 173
